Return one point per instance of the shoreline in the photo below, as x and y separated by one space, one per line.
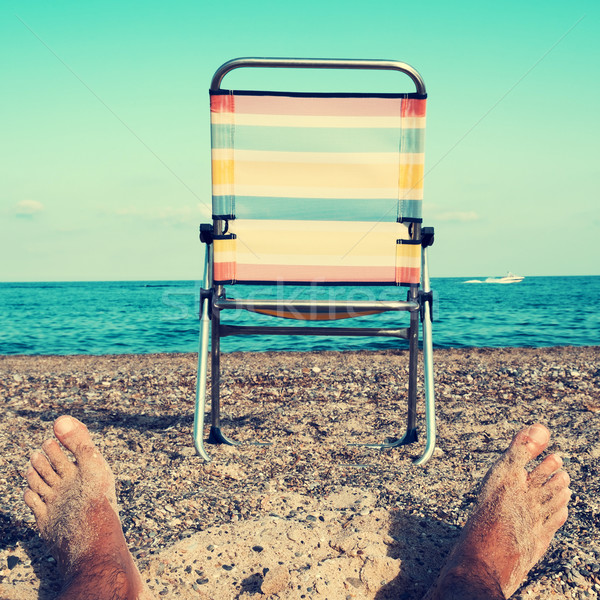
292 351
303 496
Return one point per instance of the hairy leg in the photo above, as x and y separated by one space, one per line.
75 507
515 518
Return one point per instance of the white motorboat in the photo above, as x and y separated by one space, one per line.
508 278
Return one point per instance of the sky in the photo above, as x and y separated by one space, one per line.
105 142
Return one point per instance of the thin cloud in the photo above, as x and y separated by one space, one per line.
27 209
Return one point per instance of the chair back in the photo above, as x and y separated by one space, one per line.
317 188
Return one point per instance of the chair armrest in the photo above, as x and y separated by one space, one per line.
427 237
206 233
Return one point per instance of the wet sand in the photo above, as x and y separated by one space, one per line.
308 516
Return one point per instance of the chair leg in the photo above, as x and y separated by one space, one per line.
428 369
216 435
205 302
201 382
410 435
413 363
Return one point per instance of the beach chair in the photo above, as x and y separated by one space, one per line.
316 189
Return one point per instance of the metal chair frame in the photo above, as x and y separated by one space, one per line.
213 299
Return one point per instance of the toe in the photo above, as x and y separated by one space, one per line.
73 434
58 459
557 519
558 481
35 503
550 465
37 484
527 444
44 469
556 494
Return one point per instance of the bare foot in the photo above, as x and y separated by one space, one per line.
516 517
75 507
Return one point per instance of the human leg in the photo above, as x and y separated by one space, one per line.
75 508
516 516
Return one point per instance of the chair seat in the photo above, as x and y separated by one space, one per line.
309 310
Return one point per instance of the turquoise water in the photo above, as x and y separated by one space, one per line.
143 317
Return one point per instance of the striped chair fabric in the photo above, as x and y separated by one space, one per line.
317 188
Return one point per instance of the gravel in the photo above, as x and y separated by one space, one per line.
310 406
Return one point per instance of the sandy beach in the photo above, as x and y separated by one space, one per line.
310 515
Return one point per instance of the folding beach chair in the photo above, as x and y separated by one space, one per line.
316 189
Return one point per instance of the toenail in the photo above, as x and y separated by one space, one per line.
558 459
64 425
537 434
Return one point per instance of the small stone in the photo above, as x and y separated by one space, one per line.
316 370
275 581
354 582
12 561
257 548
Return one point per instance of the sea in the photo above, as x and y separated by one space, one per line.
139 317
